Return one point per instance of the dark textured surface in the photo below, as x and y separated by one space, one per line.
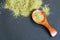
22 28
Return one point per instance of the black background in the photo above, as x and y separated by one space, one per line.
22 28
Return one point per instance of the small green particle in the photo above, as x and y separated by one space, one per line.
46 9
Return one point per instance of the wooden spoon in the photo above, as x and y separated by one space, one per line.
44 22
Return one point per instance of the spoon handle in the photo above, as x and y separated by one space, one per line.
52 31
